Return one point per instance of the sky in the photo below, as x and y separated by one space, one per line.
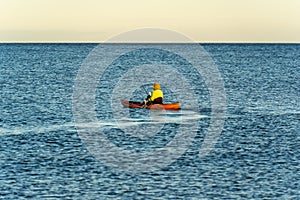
201 20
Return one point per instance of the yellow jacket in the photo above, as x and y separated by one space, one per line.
155 94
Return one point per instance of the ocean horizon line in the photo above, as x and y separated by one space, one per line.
147 42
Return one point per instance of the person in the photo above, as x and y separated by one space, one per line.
156 96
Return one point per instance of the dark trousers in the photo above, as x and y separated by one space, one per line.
158 100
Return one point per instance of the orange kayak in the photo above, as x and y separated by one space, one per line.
134 104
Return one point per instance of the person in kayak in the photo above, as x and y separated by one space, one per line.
156 96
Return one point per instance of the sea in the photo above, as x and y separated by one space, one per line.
65 135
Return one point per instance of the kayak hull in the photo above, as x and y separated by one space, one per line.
134 104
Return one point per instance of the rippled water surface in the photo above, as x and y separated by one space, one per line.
257 155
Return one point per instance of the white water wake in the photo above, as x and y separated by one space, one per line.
182 118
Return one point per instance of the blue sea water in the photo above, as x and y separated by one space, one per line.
257 155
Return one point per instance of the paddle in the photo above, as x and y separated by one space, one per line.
147 93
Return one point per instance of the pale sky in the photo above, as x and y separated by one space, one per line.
201 20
